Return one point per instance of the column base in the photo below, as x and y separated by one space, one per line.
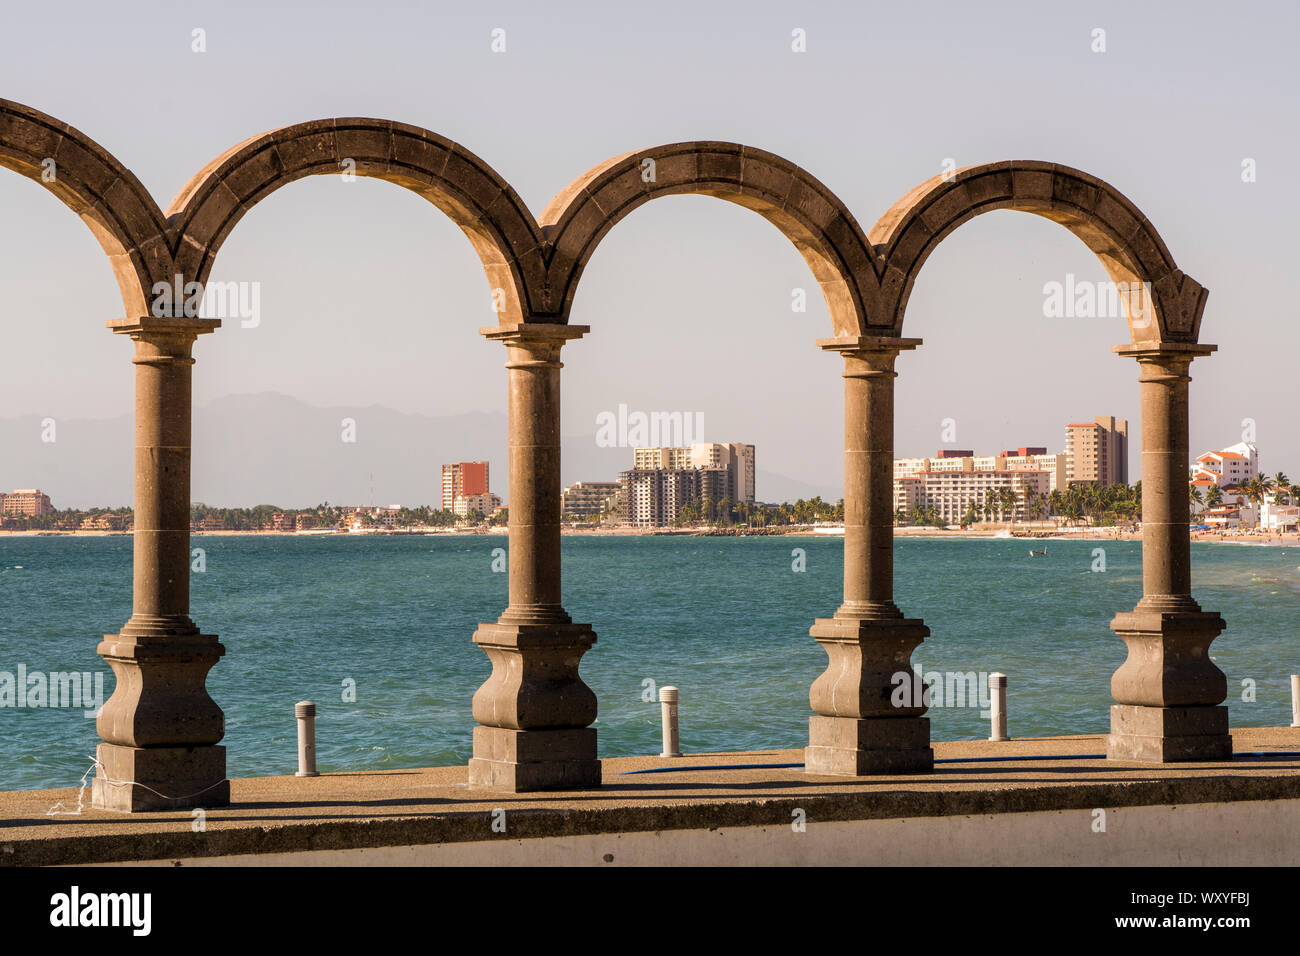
161 699
1168 662
520 761
132 779
869 671
533 710
1168 734
855 747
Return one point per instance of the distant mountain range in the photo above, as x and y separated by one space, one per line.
269 448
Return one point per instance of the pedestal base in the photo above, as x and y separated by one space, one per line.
159 778
868 671
534 709
520 761
1168 734
847 746
1168 663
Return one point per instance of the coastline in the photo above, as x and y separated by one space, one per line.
1257 539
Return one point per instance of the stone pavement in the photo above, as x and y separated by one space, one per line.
425 806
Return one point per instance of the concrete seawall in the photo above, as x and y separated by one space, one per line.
970 810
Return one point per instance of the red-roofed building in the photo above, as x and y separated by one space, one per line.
1228 467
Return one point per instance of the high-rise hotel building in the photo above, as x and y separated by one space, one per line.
950 493
663 479
25 501
463 479
1056 467
1098 451
954 479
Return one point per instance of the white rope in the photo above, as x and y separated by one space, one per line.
57 810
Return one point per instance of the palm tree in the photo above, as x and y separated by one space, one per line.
1055 501
1071 511
1255 489
1007 498
724 511
1033 503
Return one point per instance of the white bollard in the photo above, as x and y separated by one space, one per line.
305 711
1295 700
998 705
668 701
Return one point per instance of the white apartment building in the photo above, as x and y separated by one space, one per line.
1057 466
737 459
743 471
646 458
485 504
588 497
949 493
654 496
1278 511
1229 467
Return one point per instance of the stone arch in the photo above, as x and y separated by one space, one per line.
91 182
806 212
1108 223
502 230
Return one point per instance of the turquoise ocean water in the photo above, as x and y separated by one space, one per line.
724 619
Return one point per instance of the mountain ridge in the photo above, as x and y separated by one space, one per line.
260 447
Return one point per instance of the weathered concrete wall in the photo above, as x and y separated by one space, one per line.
1207 834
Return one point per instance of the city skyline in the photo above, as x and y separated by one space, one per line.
619 458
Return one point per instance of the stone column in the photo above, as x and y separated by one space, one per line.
868 704
1168 691
160 728
534 711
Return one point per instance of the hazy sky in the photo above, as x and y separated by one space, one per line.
371 296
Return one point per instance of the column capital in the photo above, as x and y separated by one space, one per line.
539 342
165 325
163 341
527 334
868 356
867 343
1164 352
1164 363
